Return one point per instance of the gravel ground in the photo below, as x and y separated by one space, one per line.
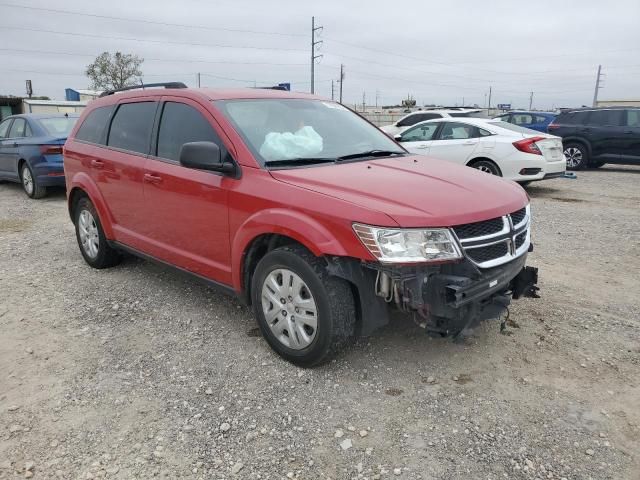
140 372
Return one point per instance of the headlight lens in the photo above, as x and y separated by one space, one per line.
391 245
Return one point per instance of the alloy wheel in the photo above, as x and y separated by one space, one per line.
27 180
88 234
574 156
289 309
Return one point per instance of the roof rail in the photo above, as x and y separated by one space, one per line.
143 86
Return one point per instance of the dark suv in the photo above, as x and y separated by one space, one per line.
595 136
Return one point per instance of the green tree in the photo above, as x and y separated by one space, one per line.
109 72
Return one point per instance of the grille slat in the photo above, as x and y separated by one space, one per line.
518 217
478 229
520 239
490 252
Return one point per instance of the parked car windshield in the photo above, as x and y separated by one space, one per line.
58 125
301 130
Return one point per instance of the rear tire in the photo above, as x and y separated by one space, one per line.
288 282
91 239
486 166
577 156
30 184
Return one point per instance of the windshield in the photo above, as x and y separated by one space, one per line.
58 125
300 130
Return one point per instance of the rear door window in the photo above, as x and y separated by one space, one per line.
17 129
458 131
94 126
131 127
180 124
522 119
605 118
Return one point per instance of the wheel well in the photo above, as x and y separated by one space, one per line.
257 249
579 141
21 162
74 197
472 162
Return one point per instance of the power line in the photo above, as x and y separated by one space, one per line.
151 22
171 60
108 37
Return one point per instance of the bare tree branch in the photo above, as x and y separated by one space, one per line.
109 72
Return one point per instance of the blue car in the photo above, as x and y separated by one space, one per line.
31 150
532 120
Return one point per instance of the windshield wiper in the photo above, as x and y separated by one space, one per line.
370 153
298 161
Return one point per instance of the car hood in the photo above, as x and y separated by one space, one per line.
414 191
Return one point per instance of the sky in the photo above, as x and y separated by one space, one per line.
441 52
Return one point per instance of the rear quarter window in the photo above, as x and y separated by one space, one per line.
131 127
572 118
94 126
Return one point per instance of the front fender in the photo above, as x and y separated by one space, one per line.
82 181
302 228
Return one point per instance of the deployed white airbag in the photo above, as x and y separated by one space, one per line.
284 146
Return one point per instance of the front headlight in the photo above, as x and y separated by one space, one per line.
391 245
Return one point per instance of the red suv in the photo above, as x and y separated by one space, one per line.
300 207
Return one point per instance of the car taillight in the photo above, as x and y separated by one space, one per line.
552 126
528 145
51 149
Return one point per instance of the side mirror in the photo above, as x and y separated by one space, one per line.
204 156
397 138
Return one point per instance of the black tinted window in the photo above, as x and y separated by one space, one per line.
93 128
182 124
131 126
418 117
605 117
576 118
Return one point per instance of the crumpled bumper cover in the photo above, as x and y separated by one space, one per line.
444 298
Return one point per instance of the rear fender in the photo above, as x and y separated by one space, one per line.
82 181
302 228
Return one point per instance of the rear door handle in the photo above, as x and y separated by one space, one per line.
97 164
151 178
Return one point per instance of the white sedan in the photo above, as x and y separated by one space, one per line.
421 115
492 146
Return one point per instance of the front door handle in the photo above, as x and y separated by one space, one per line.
470 142
422 147
99 164
152 178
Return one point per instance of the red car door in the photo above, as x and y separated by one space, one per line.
187 212
119 170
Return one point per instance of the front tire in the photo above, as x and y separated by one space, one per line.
91 239
577 156
305 314
29 183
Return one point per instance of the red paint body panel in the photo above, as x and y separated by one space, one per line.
204 222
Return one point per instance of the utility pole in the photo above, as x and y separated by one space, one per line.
364 103
530 100
341 80
314 42
489 104
198 76
377 96
598 87
332 91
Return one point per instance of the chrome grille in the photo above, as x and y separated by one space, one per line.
496 241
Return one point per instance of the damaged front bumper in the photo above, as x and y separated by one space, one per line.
444 299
